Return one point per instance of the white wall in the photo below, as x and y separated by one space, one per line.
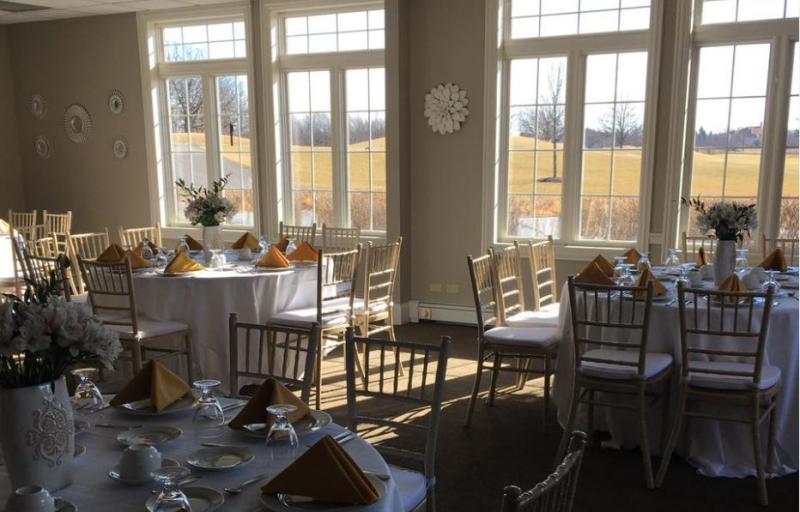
11 188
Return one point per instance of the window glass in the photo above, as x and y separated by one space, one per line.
547 18
342 32
224 40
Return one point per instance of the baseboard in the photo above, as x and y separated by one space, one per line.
447 313
402 313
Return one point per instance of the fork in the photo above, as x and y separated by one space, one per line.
117 427
241 486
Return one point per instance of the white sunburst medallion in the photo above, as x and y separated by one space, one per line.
446 108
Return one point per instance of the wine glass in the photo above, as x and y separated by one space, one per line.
291 246
184 245
741 261
619 269
147 252
209 418
626 279
217 259
263 244
171 498
683 277
161 258
770 282
87 398
282 438
672 260
644 262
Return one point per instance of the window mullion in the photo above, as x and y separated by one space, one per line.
212 130
338 151
573 148
688 163
504 145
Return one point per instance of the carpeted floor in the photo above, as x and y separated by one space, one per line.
505 445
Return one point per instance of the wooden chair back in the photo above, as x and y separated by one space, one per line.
110 288
480 275
23 222
691 244
340 239
46 247
58 225
262 351
380 273
420 388
336 280
88 245
542 260
597 309
508 284
298 233
132 236
557 492
789 247
43 270
714 315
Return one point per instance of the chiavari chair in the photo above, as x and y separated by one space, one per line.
58 225
340 239
691 244
298 233
87 246
789 247
22 225
131 237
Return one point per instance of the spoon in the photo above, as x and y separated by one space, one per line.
238 489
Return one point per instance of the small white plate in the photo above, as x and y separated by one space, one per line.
219 458
145 407
114 473
79 450
66 506
152 435
286 502
312 421
80 426
201 499
260 270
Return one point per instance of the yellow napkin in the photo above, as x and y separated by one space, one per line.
702 259
136 260
325 473
246 241
155 382
593 275
659 289
182 263
270 392
732 284
775 261
273 259
632 256
113 254
193 244
282 245
305 252
604 264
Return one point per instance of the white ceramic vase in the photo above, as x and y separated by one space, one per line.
724 260
37 435
212 240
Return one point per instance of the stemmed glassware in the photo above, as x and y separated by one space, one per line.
161 258
217 259
741 261
171 498
291 246
264 246
209 419
184 245
770 282
619 268
672 260
644 262
282 438
147 252
87 398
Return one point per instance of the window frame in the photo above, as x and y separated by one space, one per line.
500 50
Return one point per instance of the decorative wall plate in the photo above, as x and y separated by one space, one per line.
445 108
77 123
116 102
119 147
37 106
41 146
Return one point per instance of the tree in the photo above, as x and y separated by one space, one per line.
551 116
623 123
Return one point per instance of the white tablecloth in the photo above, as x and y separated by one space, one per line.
205 299
93 491
715 448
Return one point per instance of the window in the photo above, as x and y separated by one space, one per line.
790 209
728 11
334 107
204 42
546 18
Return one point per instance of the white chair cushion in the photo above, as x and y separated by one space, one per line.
523 336
770 375
306 316
654 363
545 317
374 308
82 298
150 328
411 485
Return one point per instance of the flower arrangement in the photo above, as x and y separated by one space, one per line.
206 206
41 335
728 221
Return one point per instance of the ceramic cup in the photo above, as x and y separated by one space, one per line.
695 278
759 273
245 254
138 462
707 271
31 498
751 280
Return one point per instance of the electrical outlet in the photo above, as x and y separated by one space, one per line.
436 287
452 288
425 313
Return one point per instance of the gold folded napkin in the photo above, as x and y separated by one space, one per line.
156 382
732 284
113 254
273 259
153 247
193 244
306 252
182 263
246 241
702 258
325 473
775 261
632 256
659 290
603 263
270 392
136 260
282 245
593 275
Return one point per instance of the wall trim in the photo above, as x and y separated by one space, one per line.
447 313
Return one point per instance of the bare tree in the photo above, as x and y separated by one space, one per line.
623 123
551 116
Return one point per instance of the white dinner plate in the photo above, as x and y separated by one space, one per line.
65 506
201 499
115 474
287 502
312 421
80 426
145 407
219 458
265 270
154 435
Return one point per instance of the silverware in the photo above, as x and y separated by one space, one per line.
346 439
673 301
238 489
220 445
341 437
184 481
231 407
117 427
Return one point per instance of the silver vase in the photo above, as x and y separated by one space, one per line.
724 260
37 435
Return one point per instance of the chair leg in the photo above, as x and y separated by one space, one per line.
189 357
498 362
360 366
136 354
17 287
475 387
546 404
390 323
643 440
755 426
573 409
590 418
664 417
431 504
773 415
672 441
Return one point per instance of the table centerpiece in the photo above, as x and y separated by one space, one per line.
209 208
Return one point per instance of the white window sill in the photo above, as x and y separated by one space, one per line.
574 252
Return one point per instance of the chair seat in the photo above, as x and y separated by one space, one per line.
654 364
150 329
532 337
770 375
374 307
547 316
82 298
332 315
412 486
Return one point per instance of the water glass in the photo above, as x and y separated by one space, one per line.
184 245
644 262
672 260
771 283
161 258
217 259
147 252
87 398
741 261
171 498
619 268
291 246
282 438
209 419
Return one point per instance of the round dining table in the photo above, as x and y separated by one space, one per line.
715 448
93 490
